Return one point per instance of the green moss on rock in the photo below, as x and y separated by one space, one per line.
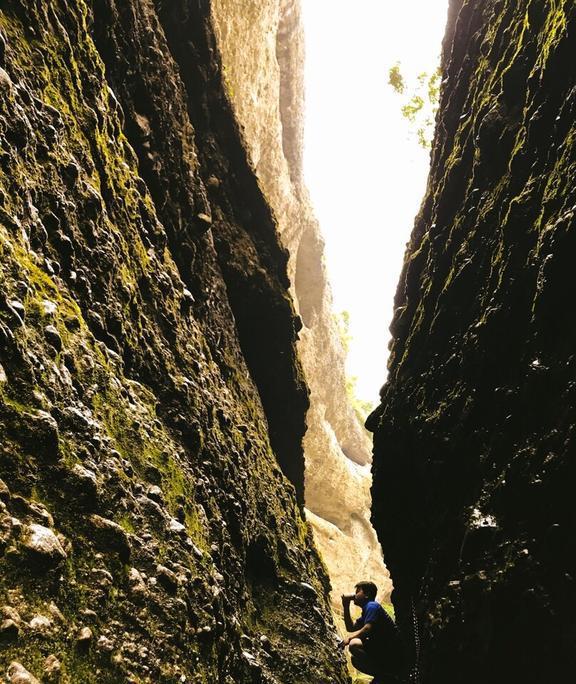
136 401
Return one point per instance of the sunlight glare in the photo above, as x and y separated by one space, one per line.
365 171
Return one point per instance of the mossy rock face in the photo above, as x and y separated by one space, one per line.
475 432
151 402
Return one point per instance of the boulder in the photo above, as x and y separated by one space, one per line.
18 674
42 547
109 536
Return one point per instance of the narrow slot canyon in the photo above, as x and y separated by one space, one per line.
186 488
267 86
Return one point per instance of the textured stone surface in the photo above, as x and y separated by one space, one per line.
18 674
474 459
42 546
152 406
263 54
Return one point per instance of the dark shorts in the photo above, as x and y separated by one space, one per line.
385 659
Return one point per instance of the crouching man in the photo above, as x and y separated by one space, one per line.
375 646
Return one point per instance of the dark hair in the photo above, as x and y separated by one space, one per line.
369 588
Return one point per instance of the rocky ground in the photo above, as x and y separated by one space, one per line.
151 402
474 457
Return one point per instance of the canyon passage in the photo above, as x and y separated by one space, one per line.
166 338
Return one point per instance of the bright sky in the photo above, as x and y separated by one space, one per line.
365 172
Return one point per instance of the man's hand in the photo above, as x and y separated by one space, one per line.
345 642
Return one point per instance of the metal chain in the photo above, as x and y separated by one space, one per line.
415 674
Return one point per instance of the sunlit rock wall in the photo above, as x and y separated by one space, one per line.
262 48
151 403
475 438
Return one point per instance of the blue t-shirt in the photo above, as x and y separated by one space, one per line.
382 623
383 641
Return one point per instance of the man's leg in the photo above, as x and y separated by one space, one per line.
366 662
360 659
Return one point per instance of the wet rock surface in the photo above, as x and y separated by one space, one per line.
149 472
474 438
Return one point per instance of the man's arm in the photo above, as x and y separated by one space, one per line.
346 601
357 635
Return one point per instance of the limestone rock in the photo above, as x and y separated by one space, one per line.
167 579
84 637
265 79
474 437
6 526
41 624
5 80
18 674
56 613
110 535
176 527
53 337
155 493
176 363
4 492
43 434
85 484
42 547
10 613
105 645
2 50
52 669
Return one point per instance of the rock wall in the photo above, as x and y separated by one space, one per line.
262 49
474 440
152 406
